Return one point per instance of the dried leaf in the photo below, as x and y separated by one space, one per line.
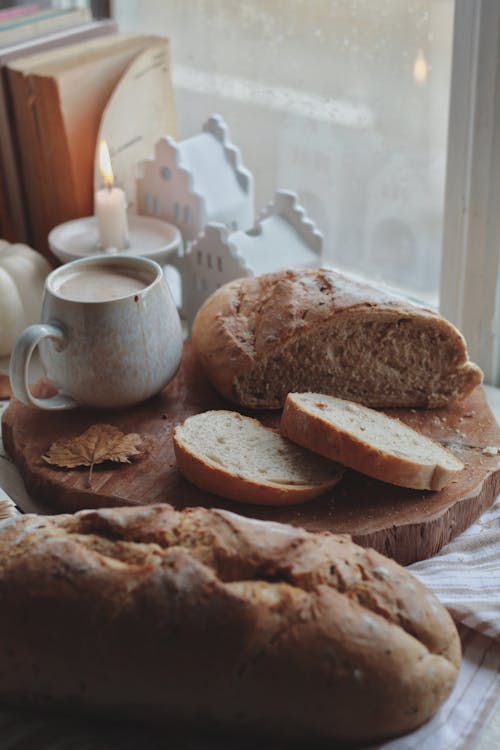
99 443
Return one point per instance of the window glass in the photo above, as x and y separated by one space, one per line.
343 101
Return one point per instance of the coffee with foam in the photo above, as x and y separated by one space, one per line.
98 284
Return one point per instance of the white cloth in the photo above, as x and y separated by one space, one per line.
465 574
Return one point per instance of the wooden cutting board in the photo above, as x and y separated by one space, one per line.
407 525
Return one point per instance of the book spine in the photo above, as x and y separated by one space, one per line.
6 226
56 171
29 151
18 11
13 197
59 20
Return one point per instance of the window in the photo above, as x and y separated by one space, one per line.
343 101
346 102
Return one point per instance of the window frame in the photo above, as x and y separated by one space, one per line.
470 261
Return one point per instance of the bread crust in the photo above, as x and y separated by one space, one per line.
213 478
208 618
322 436
251 320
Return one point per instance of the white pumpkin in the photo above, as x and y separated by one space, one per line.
22 279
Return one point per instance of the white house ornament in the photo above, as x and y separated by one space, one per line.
199 180
282 237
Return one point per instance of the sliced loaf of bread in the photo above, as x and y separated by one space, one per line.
368 441
299 330
238 458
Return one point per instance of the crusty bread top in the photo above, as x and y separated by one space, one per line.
260 311
249 322
237 457
250 315
102 543
368 441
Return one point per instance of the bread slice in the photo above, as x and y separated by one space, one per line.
237 457
368 441
316 330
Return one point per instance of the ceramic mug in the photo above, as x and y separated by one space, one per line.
110 335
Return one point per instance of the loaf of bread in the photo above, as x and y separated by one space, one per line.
367 441
213 620
315 330
237 457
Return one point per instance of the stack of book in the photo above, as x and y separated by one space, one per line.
66 82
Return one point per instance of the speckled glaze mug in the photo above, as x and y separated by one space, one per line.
110 335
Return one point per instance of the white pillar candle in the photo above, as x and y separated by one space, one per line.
110 208
111 214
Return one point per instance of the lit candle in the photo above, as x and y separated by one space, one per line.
110 207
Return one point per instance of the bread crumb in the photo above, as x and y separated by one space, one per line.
351 407
490 450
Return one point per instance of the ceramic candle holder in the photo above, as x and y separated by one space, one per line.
219 255
148 238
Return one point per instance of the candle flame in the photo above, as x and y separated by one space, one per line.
420 69
105 165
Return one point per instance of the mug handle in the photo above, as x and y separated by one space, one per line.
20 364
